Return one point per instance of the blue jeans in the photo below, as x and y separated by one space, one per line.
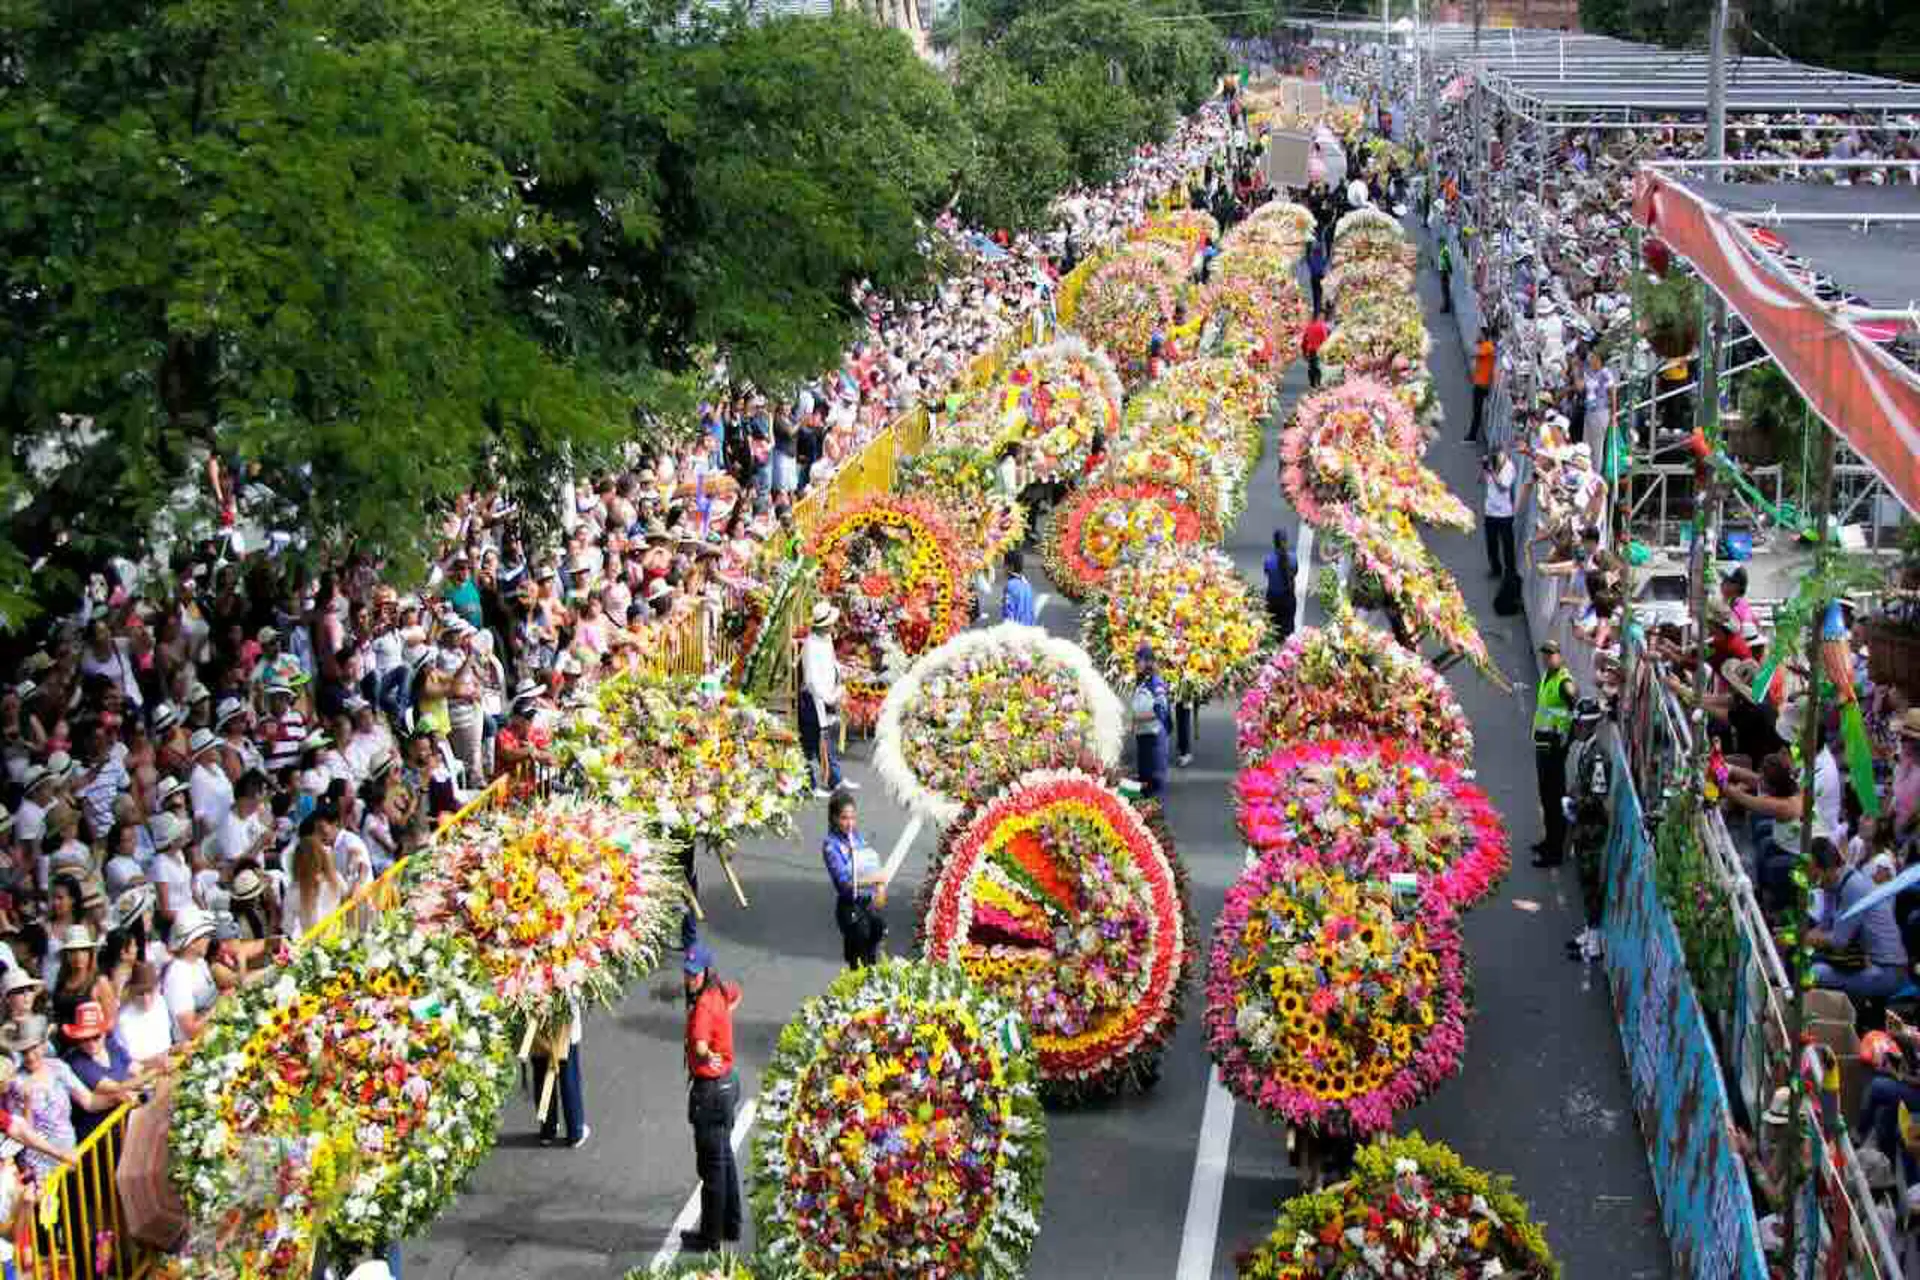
1150 761
571 1103
1879 1120
1875 982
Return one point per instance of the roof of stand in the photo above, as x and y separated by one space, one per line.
1872 252
1552 69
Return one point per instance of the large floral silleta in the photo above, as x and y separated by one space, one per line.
1350 680
1411 1208
1188 230
1052 401
563 901
691 761
962 481
1259 322
1375 808
1059 895
393 1034
1194 609
1103 525
1355 445
895 569
1127 301
1388 560
988 706
1333 1003
900 1132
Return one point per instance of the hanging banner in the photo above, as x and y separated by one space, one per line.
1870 399
1286 163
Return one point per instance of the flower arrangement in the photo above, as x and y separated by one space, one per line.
1384 338
1350 680
1052 401
561 900
963 482
1355 445
1192 607
895 569
1103 525
988 706
1332 1002
1211 480
1384 156
1257 321
1411 1208
694 762
1266 262
1224 399
1367 222
1389 559
1373 808
900 1132
1363 280
395 1032
283 1189
1188 230
1281 220
724 1266
1127 301
1058 896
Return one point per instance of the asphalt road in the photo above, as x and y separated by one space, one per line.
1543 1096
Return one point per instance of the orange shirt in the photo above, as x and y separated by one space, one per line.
1483 364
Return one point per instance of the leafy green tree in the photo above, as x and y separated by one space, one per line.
1168 55
1020 158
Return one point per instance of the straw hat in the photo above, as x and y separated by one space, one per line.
19 980
28 1033
1908 723
1741 674
202 742
190 925
824 616
1779 1111
248 885
79 938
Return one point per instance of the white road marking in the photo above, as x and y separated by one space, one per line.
900 847
1040 604
1209 1182
1303 576
690 1216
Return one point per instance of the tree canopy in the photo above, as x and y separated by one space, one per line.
1878 37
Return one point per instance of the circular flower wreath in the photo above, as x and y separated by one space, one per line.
963 481
561 900
1333 1003
1410 1208
988 706
1351 680
900 1132
395 1031
1256 317
1186 229
1374 808
1058 895
1051 400
692 761
894 568
1192 607
1128 299
1104 525
1356 445
1384 338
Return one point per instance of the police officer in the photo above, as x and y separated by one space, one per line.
1589 790
1552 725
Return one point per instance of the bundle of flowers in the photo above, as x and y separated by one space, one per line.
1257 322
1410 1208
1225 399
562 900
283 1189
1350 680
965 483
1211 479
1058 896
1373 808
1385 339
692 761
1390 560
1188 230
707 1267
1195 611
1126 302
1354 283
1280 219
895 569
1354 445
1052 401
1106 524
1367 222
1333 1003
900 1132
987 707
1384 156
394 1033
1370 245
1268 262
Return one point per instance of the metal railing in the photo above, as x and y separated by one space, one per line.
84 1234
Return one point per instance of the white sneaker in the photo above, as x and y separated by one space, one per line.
1185 760
821 793
848 784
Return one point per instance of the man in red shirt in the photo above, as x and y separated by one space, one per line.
1312 339
711 1099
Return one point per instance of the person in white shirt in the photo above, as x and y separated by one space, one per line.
819 701
211 789
244 831
351 858
314 888
372 740
1827 786
30 820
144 1024
1502 478
188 983
169 874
